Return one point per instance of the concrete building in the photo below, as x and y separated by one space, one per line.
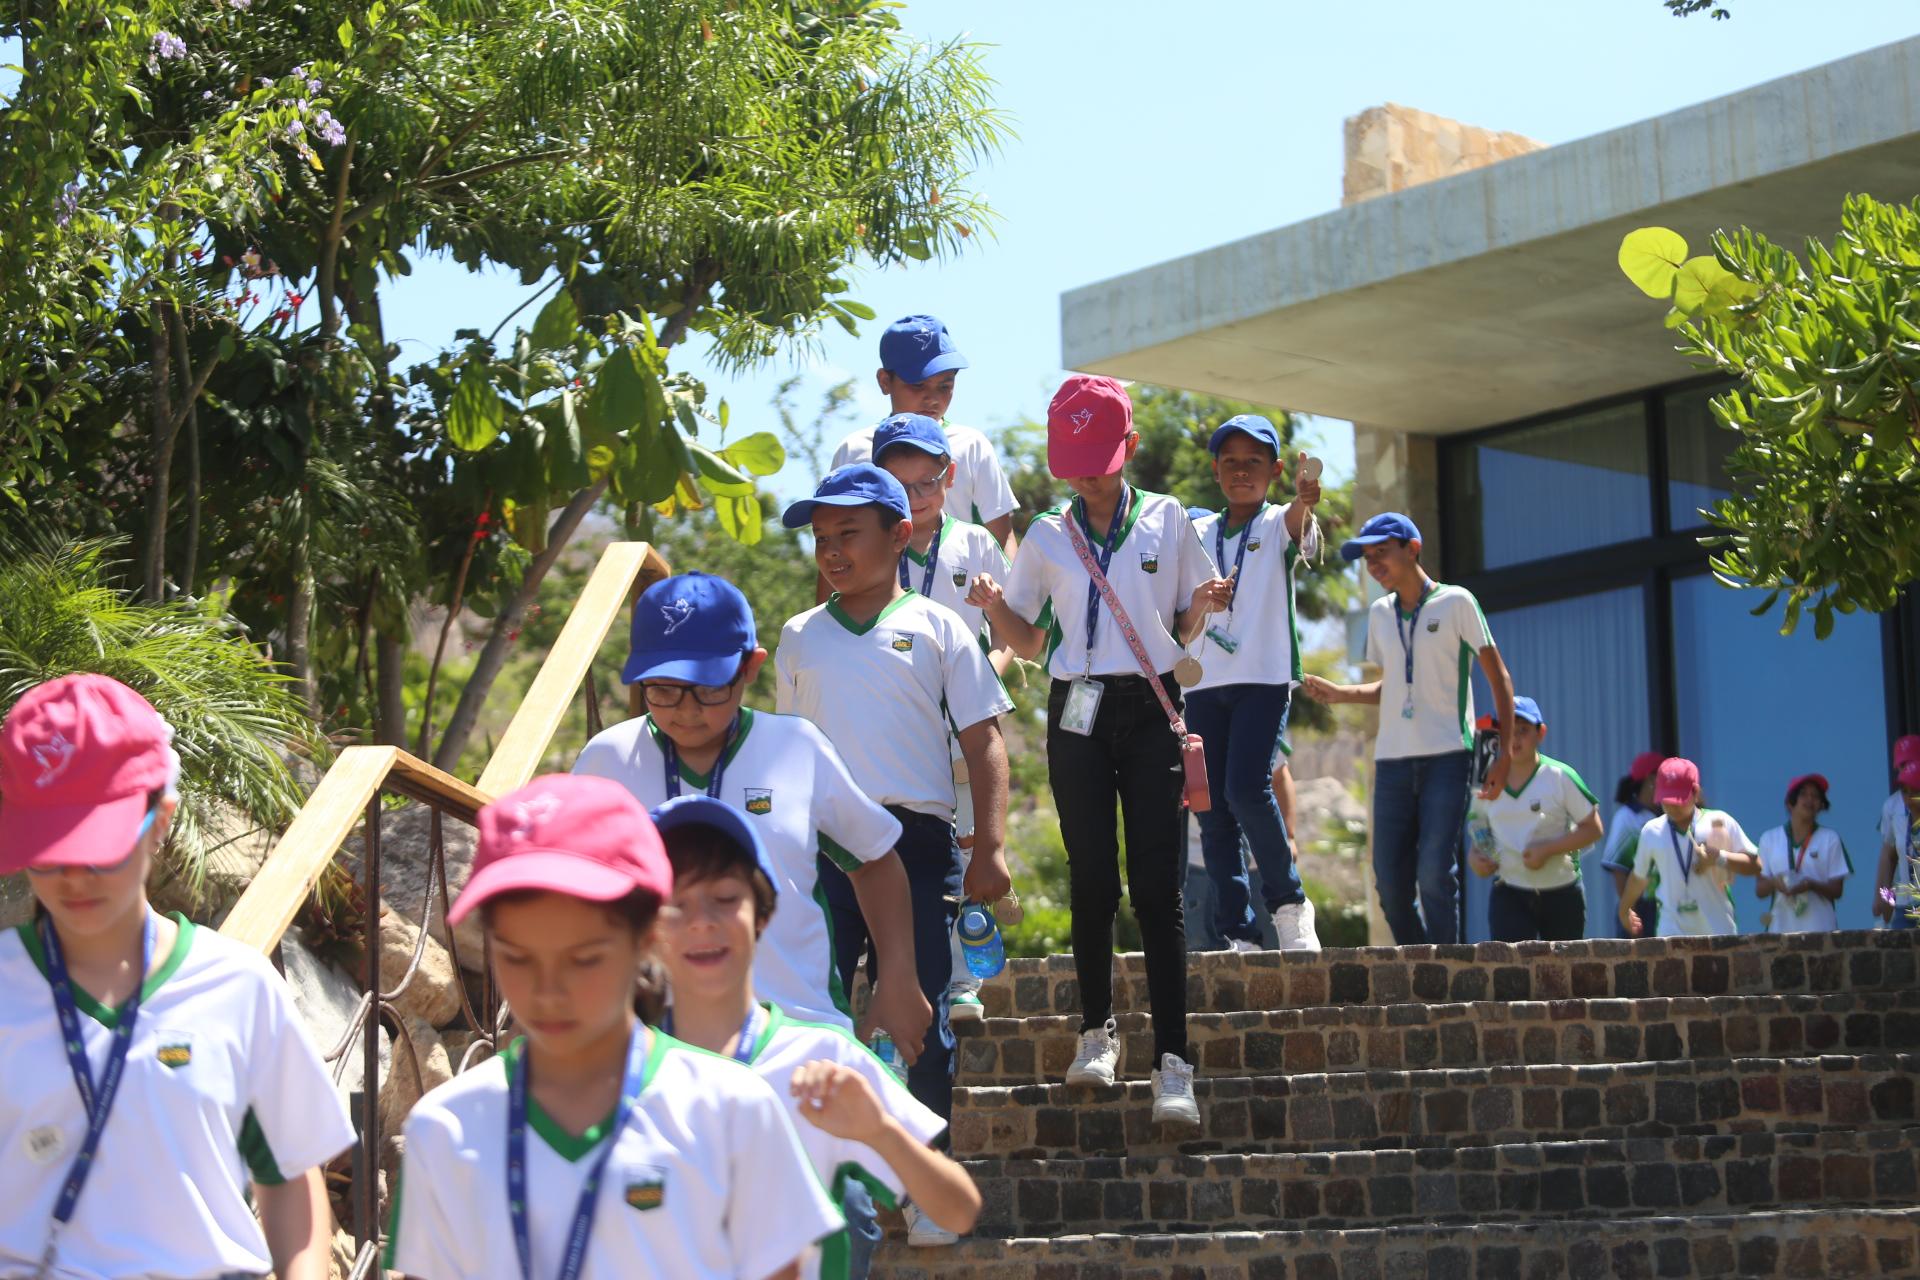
1519 398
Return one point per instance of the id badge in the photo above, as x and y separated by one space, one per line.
1083 704
1689 908
1406 708
1228 642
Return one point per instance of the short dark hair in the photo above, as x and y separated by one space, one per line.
1825 804
700 852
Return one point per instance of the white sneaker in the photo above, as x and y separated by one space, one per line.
1294 925
924 1233
1241 944
1098 1061
1173 1093
963 1002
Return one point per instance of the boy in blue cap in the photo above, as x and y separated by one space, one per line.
1421 634
940 562
1250 660
885 672
694 652
918 368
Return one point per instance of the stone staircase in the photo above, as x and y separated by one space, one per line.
1663 1107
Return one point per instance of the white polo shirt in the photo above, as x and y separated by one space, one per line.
965 551
1824 857
980 490
784 775
1446 635
707 1180
1696 902
222 1086
1263 619
784 1047
1157 562
888 691
1896 829
1547 805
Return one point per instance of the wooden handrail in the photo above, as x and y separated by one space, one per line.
358 774
602 601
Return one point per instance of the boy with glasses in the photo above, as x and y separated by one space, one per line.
694 652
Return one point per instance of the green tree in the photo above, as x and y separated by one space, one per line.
1826 472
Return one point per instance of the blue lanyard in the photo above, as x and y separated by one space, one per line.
670 756
98 1101
1103 553
1684 859
743 1047
1410 632
1240 556
933 563
575 1257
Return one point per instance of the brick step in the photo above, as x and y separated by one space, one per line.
1826 1243
1601 1178
1014 1051
1366 1110
1593 969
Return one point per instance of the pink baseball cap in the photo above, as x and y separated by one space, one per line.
1087 427
1676 782
1906 750
80 759
1910 775
1645 765
581 836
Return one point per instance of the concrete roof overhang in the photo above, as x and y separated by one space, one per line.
1495 294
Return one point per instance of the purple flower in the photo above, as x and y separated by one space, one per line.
242 5
69 203
295 130
330 130
168 45
315 86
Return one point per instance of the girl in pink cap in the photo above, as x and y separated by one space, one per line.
595 1145
1894 874
157 1074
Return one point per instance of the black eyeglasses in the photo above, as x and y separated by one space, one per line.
707 695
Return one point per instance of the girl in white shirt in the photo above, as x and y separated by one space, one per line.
1689 855
1803 865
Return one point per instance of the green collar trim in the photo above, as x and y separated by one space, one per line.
569 1146
1233 530
1433 589
1538 760
1135 499
110 1018
840 615
775 1021
946 523
687 775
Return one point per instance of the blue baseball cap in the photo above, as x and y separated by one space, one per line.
1247 424
1527 709
705 811
692 627
1381 528
858 484
915 348
915 429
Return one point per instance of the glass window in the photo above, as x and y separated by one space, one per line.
1584 660
1697 449
1549 489
1755 708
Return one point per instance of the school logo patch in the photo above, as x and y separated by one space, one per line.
1535 806
1253 546
902 642
53 756
1149 562
175 1055
676 612
1081 419
759 800
646 1188
1433 626
960 578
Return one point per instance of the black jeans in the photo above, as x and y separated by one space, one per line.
1131 758
1528 915
931 856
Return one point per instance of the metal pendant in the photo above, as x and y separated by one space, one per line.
1187 672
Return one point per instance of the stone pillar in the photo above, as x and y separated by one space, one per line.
1389 149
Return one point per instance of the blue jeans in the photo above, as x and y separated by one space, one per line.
1419 812
1241 725
863 1226
931 856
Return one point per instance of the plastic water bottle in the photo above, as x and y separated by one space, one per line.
885 1050
980 944
1480 832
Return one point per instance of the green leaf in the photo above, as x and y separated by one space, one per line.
760 454
345 32
620 391
557 324
566 453
859 309
1651 257
740 518
1704 287
716 474
475 414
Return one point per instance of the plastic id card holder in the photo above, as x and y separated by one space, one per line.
1083 704
1228 642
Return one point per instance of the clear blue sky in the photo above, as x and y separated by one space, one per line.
1151 131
